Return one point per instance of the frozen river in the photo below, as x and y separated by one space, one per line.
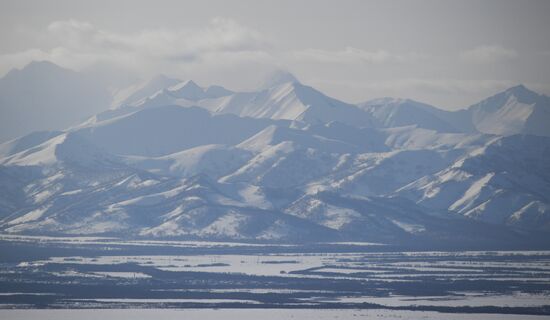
249 314
321 281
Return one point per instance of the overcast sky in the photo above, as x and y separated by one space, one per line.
447 53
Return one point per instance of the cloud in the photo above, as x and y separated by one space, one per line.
488 54
224 48
447 85
443 85
353 55
79 44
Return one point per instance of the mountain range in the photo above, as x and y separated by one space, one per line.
284 163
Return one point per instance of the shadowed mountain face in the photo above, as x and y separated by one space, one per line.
44 96
285 163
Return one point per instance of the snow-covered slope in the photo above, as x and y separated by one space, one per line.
26 142
214 160
392 112
285 163
504 182
75 197
143 90
516 110
391 220
414 138
276 134
382 173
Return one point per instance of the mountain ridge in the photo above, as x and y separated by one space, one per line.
284 164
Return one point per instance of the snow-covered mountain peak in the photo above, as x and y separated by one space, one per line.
397 112
191 91
44 96
517 94
188 85
141 91
394 103
36 68
161 81
522 93
277 78
188 90
515 110
286 100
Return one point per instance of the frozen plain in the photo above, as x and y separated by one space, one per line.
267 314
357 279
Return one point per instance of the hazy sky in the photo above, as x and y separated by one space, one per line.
447 53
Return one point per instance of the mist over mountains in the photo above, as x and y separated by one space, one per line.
284 163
